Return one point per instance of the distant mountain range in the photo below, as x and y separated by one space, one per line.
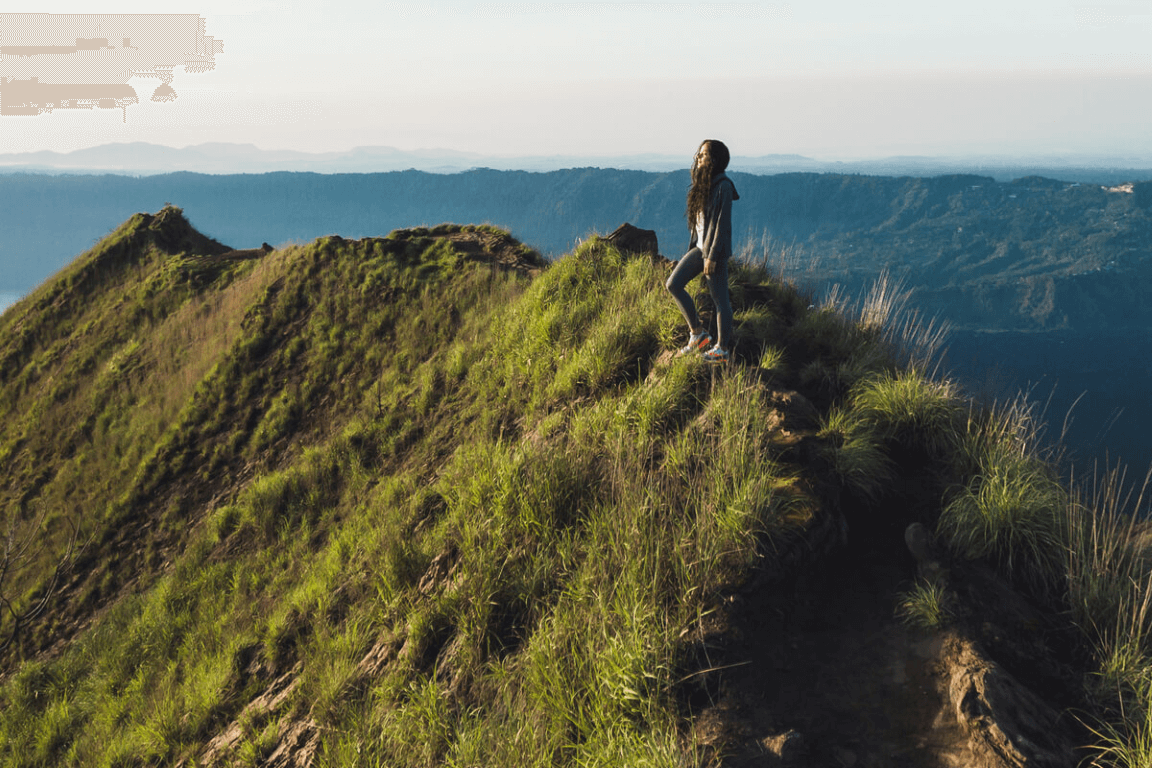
142 158
1033 254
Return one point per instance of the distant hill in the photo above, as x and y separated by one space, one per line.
142 158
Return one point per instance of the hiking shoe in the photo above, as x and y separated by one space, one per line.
697 342
716 355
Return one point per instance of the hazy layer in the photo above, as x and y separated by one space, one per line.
829 79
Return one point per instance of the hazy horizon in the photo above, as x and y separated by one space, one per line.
827 80
448 151
215 158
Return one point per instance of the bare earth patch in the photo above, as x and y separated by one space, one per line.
823 672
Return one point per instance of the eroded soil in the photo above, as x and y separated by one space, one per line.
824 673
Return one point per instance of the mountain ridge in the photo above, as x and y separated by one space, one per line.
230 158
424 499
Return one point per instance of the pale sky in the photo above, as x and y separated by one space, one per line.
830 79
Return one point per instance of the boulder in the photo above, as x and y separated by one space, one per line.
1009 725
630 239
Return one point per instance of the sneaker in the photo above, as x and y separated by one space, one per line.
697 342
716 355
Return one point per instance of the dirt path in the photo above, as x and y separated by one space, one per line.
827 675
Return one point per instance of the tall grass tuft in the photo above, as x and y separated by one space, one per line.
858 455
885 310
1109 574
927 605
884 410
1012 509
911 408
1013 512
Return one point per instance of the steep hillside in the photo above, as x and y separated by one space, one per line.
421 500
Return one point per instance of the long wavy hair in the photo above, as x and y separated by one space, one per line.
702 172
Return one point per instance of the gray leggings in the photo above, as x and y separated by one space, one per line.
691 265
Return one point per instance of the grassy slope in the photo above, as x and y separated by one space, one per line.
467 517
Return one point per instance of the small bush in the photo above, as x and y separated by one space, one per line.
1012 512
858 454
927 605
912 409
772 359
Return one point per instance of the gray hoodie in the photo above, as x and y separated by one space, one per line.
717 245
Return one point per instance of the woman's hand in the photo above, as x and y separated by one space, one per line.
709 267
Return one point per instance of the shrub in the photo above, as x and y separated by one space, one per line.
1013 512
926 606
912 409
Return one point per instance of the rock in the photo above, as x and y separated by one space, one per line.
439 570
917 540
788 747
799 412
378 657
630 239
846 757
222 749
1009 725
919 543
297 747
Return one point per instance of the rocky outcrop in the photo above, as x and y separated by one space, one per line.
1009 726
630 239
298 738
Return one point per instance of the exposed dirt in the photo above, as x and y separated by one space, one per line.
829 675
498 250
823 671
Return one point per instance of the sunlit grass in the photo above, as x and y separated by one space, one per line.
927 605
475 515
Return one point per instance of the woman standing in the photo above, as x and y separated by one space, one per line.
710 221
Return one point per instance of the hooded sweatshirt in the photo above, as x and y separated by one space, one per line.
713 236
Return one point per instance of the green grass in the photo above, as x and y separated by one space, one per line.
887 409
927 605
1013 509
492 487
573 562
